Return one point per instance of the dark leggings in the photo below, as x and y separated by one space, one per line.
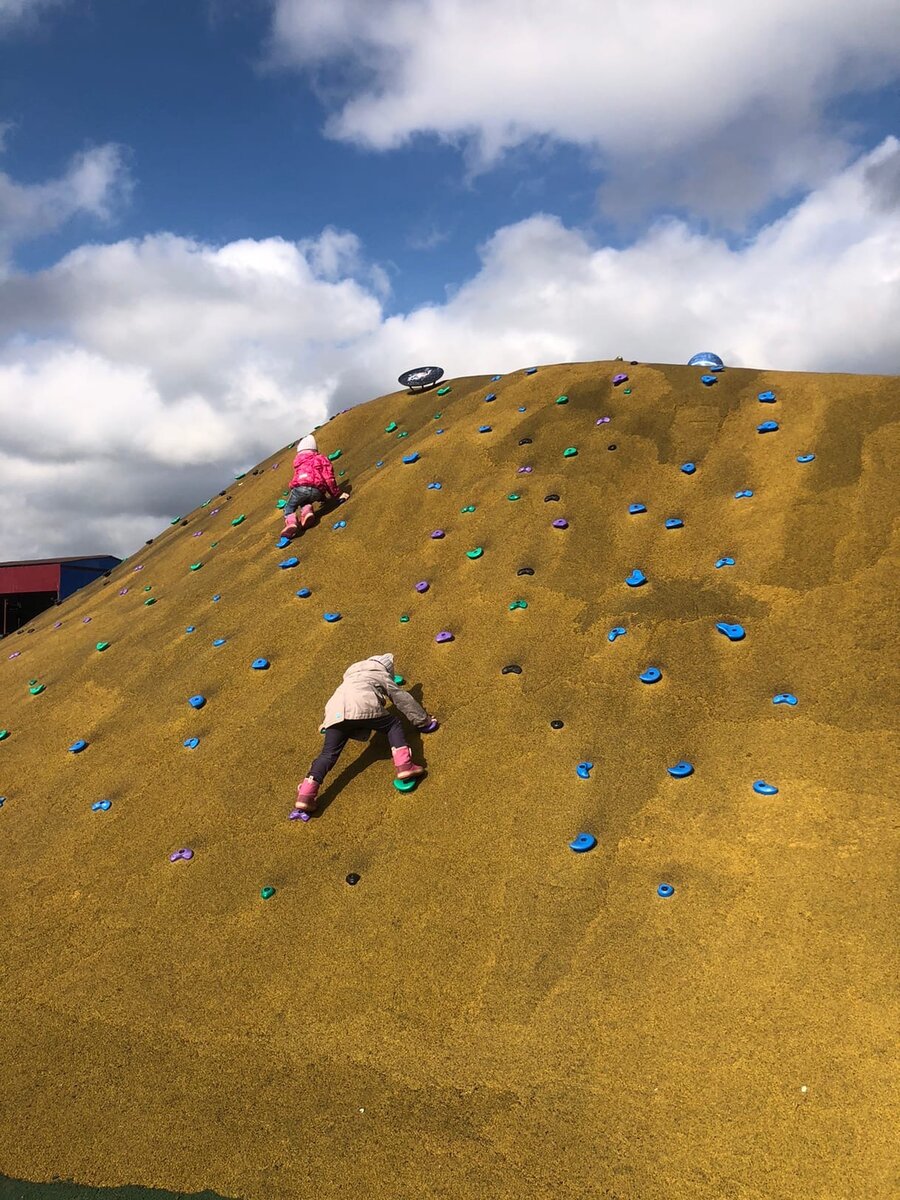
300 496
336 737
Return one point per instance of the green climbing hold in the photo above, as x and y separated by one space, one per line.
150 601
281 504
341 474
468 508
267 893
241 476
149 587
237 520
196 566
212 545
37 689
562 399
476 553
399 680
175 520
403 434
570 452
437 416
443 391
627 392
335 455
514 496
404 785
390 428
518 604
404 620
103 646
4 734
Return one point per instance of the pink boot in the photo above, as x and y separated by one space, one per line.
291 526
406 768
306 515
307 793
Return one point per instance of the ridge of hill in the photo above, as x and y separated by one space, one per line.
487 1013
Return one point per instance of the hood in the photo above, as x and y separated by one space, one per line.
373 666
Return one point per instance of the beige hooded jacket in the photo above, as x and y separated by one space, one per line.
364 692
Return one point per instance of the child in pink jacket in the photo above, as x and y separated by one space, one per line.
312 480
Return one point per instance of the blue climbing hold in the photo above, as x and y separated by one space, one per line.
651 675
688 468
77 747
767 427
708 380
282 543
619 631
745 493
303 593
190 629
101 806
724 562
805 458
582 843
522 408
766 397
765 789
665 890
219 641
484 429
583 770
410 458
674 523
489 397
331 617
634 509
636 578
734 633
191 743
530 370
216 598
260 664
434 487
197 701
439 431
496 378
784 698
380 463
339 525
681 770
286 563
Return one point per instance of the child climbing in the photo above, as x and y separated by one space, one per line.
357 709
312 480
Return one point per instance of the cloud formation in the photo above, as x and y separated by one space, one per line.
712 107
137 377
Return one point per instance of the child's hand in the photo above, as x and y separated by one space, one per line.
430 725
343 496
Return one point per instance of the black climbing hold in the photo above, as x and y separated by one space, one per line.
106 574
149 542
525 571
512 669
353 879
552 496
611 447
221 493
184 522
525 441
556 724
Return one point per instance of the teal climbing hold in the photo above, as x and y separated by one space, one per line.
570 452
442 391
476 553
468 508
335 455
390 428
405 785
239 520
267 893
562 399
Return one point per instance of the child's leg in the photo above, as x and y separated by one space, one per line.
391 724
335 741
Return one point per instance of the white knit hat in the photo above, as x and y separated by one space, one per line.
307 443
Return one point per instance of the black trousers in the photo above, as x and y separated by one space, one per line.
337 736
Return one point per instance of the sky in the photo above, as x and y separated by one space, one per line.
221 221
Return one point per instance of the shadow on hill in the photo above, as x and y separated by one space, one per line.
14 1189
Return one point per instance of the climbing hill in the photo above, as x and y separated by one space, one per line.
697 1007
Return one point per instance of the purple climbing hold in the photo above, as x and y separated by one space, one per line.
620 378
184 854
438 533
444 636
422 586
560 523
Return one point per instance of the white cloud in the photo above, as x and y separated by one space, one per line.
136 377
24 12
715 106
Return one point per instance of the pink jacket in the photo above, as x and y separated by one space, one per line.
314 470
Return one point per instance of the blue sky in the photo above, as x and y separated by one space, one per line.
222 220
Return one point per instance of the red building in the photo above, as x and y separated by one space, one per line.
28 588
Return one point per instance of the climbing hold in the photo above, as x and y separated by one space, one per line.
708 380
404 620
583 770
217 598
403 434
444 636
476 553
353 878
303 593
404 785
335 455
617 379
442 391
626 391
438 533
380 463
410 458
785 698
101 646
526 441
280 503
434 487
681 770
636 578
267 893
514 496
734 633
602 421
150 601
688 468
287 563
511 669
191 743
197 701
674 523
562 399
184 854
190 629
634 509
87 620
77 747
766 397
331 617
570 452
651 675
239 520
495 378
4 734
282 543
767 427
194 567
260 664
489 397
399 680
468 508
805 458
437 431
422 585
524 470
745 493
665 890
37 689
724 562
390 428
550 496
485 429
530 370
517 604
611 446
525 571
433 725
582 843
765 789
618 632
101 806
557 724
339 525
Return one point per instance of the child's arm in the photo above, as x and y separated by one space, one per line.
410 708
328 475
